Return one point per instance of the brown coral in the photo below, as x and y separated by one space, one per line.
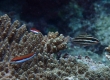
54 43
17 41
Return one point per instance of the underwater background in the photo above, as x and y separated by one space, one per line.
70 18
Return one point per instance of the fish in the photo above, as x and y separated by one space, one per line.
34 30
23 58
85 40
107 52
107 56
107 49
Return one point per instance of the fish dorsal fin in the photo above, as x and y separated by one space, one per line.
83 35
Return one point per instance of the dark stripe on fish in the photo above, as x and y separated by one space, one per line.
85 40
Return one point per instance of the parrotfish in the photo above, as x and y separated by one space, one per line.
34 30
23 58
85 40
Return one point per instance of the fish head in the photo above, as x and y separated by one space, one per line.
34 30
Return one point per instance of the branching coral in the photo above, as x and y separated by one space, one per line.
54 43
17 41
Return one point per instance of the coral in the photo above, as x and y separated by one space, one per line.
73 17
54 43
101 22
107 52
17 41
103 27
